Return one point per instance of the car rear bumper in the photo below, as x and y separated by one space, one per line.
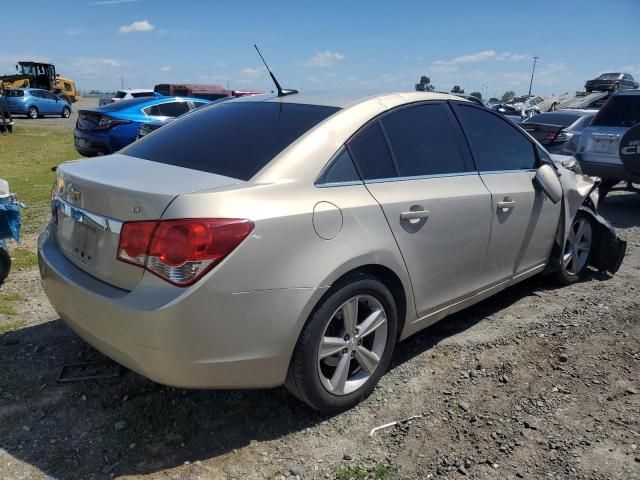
194 338
608 171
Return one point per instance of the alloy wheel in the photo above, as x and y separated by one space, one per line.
352 345
578 246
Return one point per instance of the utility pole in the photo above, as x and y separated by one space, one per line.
535 59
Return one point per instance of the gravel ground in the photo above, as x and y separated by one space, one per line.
59 121
538 382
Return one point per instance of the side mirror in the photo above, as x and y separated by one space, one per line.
547 180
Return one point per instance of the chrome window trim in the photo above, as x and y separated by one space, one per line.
348 183
495 172
90 219
420 177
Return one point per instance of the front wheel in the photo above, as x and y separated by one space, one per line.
66 112
577 250
345 346
32 113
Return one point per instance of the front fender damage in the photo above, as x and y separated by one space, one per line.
581 195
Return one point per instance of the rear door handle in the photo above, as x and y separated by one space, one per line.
506 204
414 214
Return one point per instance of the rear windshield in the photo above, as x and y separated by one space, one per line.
231 139
561 119
619 111
609 76
14 93
120 95
142 94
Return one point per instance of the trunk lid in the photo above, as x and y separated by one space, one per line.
600 144
543 133
94 197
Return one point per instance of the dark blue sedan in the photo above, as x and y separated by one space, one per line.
105 130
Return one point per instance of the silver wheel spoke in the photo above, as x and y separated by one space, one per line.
339 378
366 359
371 323
567 259
580 230
331 346
350 316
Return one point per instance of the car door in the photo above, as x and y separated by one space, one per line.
414 164
525 221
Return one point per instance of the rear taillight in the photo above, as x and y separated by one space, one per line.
181 251
107 122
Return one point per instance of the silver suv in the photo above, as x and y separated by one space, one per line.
599 144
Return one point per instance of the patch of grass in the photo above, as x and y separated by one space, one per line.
26 158
23 258
7 327
381 472
6 304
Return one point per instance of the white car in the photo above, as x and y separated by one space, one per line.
133 93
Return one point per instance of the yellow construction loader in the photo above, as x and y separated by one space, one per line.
41 75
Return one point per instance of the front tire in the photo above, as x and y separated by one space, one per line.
345 346
577 250
66 112
32 113
5 265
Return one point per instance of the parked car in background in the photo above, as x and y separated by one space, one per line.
295 239
531 105
507 111
35 102
107 129
147 128
598 150
611 81
133 93
493 101
194 90
555 129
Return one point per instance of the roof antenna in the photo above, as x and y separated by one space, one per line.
281 92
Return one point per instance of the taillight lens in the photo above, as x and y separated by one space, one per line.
181 251
106 123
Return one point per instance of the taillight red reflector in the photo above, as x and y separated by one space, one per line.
181 251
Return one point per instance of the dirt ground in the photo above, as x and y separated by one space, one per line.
538 382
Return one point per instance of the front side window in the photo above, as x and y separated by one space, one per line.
371 154
423 141
234 139
496 145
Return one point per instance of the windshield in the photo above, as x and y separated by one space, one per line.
610 76
619 111
234 139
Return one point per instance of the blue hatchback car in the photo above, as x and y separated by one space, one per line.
107 129
35 102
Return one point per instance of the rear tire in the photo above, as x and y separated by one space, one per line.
5 265
576 253
32 113
345 346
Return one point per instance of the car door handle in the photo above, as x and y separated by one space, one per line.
506 204
414 214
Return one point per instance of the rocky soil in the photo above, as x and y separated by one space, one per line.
538 382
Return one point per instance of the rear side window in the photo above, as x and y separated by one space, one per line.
14 93
423 141
142 94
496 144
235 139
340 170
619 111
371 154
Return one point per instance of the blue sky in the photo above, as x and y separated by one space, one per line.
479 45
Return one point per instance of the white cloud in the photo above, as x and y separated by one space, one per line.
324 59
113 2
166 68
250 73
474 57
443 69
512 57
633 70
139 26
